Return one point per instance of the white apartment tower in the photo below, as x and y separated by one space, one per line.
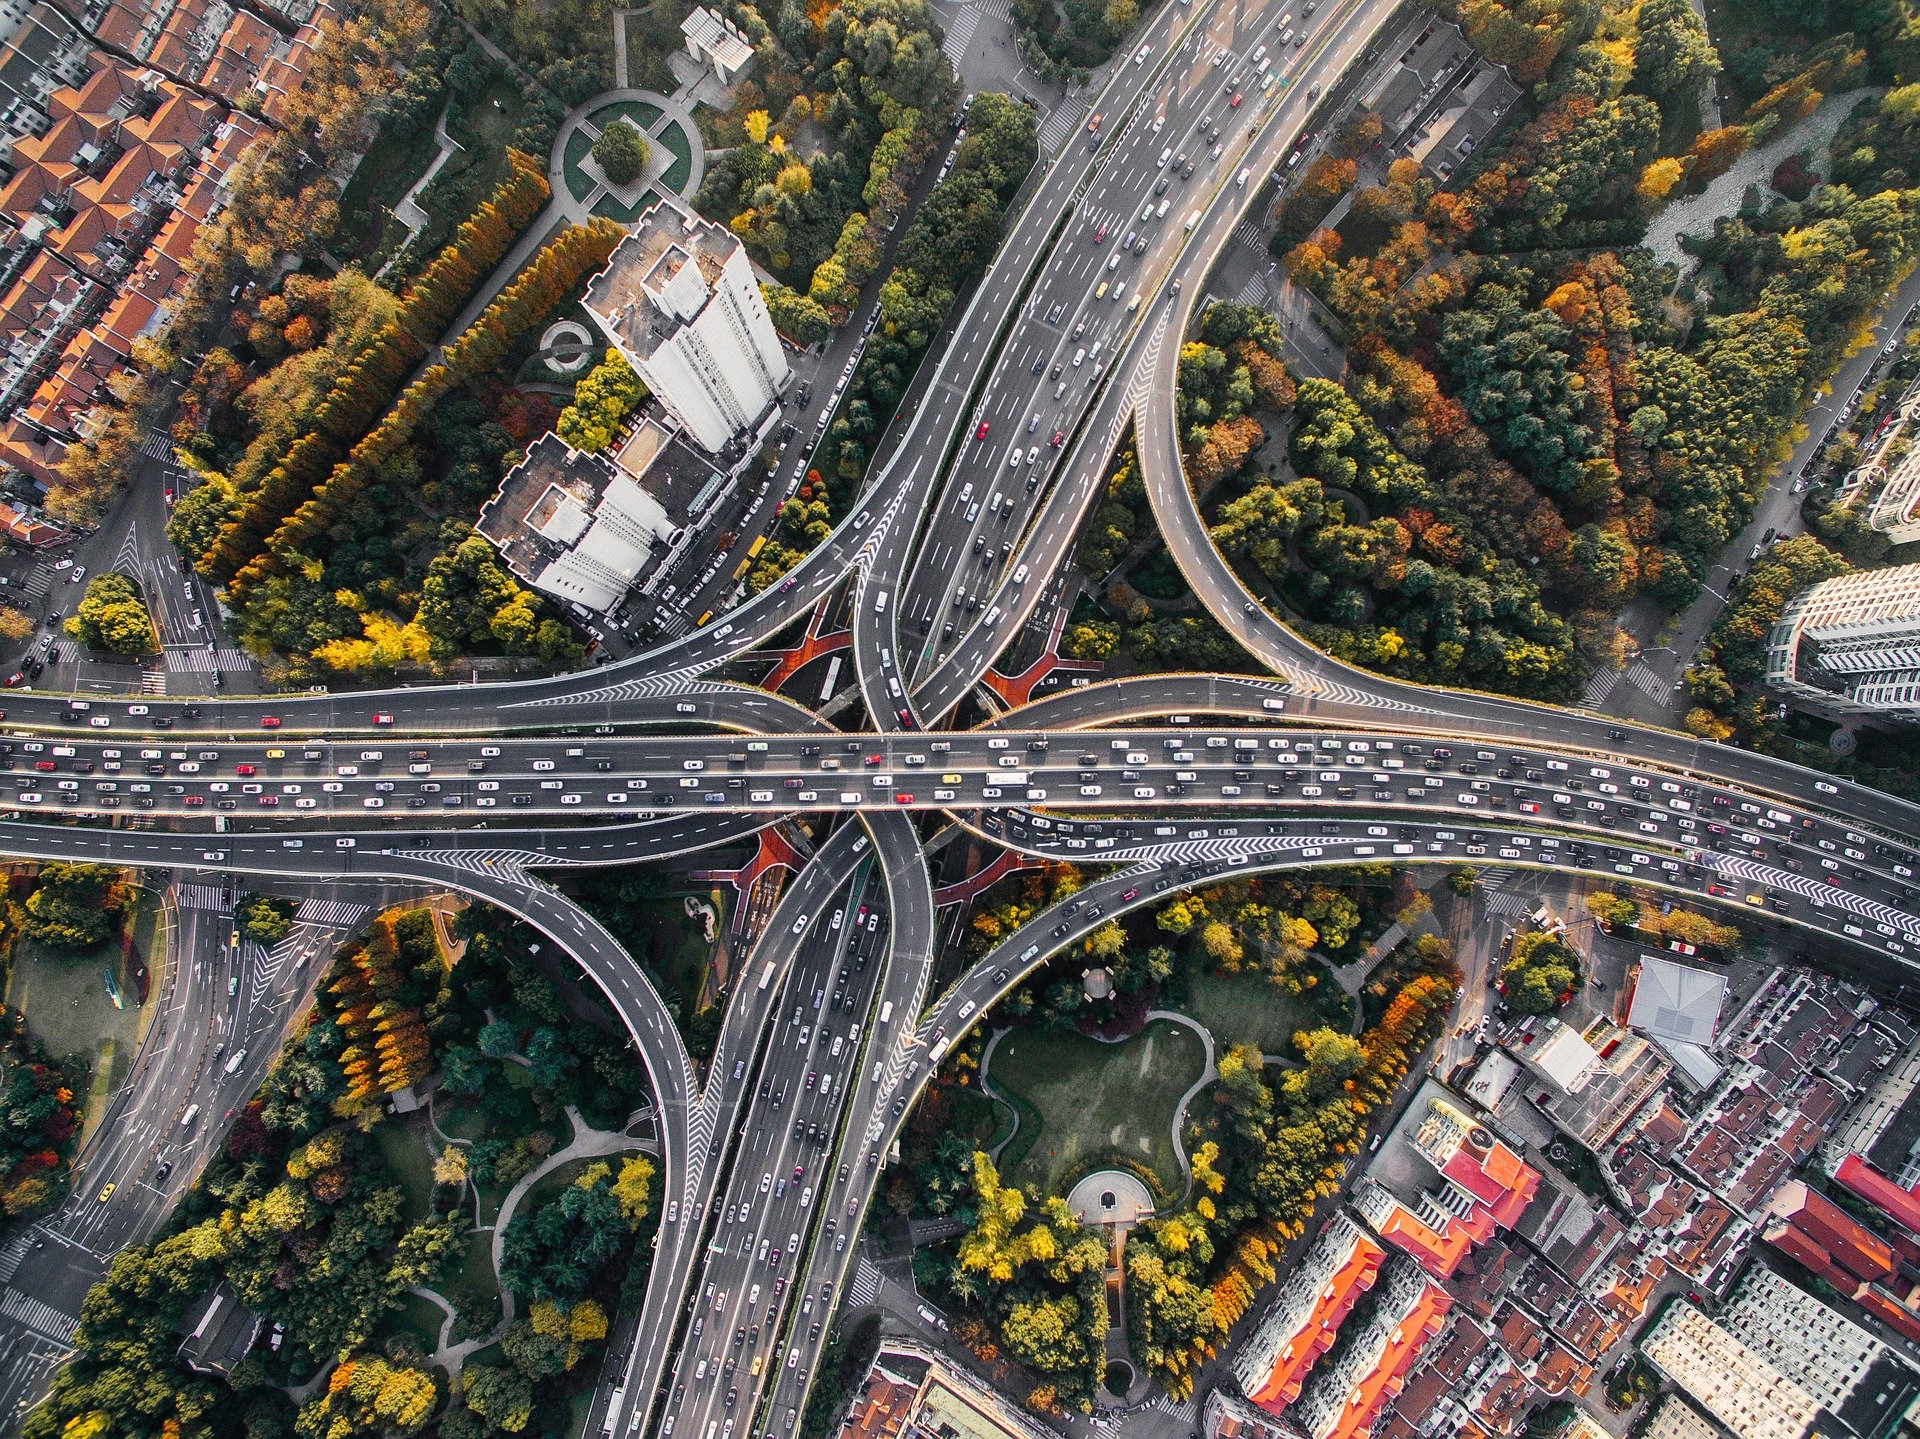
1851 645
679 300
1733 1383
1867 1386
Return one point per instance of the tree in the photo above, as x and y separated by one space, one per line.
366 1394
556 1252
501 1395
75 906
621 152
1540 974
14 625
801 318
112 617
633 1190
264 919
602 400
1672 53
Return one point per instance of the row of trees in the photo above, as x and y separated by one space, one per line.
39 1124
282 200
950 242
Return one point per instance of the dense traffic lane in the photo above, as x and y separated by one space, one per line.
1111 264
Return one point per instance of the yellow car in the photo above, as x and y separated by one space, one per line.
754 1370
276 754
950 779
106 1194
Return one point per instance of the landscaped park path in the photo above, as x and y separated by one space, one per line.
587 1143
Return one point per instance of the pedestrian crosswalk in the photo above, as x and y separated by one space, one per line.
15 1250
37 582
1254 292
157 446
865 1287
1510 906
960 32
1181 1409
1599 685
153 681
1495 878
1643 678
42 1319
1059 125
201 660
1251 233
331 913
201 896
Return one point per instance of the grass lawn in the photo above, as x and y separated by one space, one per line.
678 951
676 175
653 33
482 130
66 1001
579 182
405 1153
419 1317
473 1286
611 207
638 111
1092 1097
1237 1008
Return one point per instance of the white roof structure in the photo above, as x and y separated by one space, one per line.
1564 1057
1677 1001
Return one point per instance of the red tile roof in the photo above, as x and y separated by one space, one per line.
1315 1336
1853 1246
1863 1181
1375 1389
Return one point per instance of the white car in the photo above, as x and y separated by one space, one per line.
99 721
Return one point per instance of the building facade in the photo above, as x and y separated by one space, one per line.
1851 645
678 298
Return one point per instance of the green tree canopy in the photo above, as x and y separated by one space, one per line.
621 152
111 616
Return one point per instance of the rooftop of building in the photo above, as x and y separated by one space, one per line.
1677 1001
625 295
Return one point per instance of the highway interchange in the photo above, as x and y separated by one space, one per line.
772 1156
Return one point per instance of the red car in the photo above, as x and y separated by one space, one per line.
267 799
903 799
1234 103
1100 235
382 717
1058 436
269 721
981 433
874 759
193 800
246 769
14 679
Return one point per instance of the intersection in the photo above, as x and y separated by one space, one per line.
772 1157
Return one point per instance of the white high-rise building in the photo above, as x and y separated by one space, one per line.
1857 1378
1733 1383
678 298
1851 645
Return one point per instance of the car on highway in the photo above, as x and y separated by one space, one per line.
981 433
